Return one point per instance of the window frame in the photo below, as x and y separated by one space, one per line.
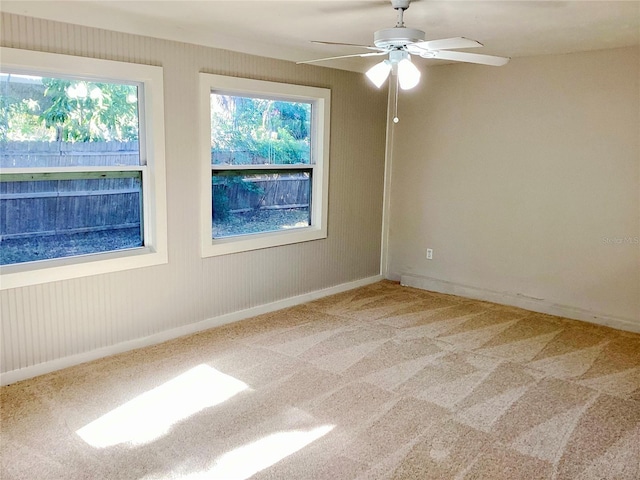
149 79
320 99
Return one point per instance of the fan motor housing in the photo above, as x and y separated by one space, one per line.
397 37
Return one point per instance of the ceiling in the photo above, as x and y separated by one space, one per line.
282 29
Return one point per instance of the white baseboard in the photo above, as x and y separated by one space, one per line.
60 363
517 300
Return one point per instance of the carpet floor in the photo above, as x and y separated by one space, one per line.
381 382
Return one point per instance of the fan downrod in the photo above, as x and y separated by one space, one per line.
400 6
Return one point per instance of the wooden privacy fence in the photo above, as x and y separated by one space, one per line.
281 192
60 206
37 208
65 154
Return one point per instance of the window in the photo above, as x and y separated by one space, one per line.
265 152
81 167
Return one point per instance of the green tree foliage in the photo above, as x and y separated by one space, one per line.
91 112
19 110
19 120
68 110
258 131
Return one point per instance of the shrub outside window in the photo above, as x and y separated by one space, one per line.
265 157
82 167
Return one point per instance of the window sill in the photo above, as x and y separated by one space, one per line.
245 243
34 273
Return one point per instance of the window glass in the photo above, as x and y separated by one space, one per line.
248 130
46 219
67 111
63 129
259 202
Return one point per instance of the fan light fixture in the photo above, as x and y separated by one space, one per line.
399 63
379 72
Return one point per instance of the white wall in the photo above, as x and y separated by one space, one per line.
55 324
515 176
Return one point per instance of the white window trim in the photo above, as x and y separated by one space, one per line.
152 166
320 98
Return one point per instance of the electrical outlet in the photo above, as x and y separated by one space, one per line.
429 254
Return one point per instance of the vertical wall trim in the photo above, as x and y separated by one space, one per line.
386 198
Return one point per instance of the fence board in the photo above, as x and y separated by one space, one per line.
66 154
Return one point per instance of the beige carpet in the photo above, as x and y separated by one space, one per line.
380 382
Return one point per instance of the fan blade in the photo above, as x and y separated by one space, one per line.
361 5
447 44
372 54
469 58
368 47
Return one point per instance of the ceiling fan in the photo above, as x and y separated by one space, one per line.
400 42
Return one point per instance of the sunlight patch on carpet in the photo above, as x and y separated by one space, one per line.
151 415
245 461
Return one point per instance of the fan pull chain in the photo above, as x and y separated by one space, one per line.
395 102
